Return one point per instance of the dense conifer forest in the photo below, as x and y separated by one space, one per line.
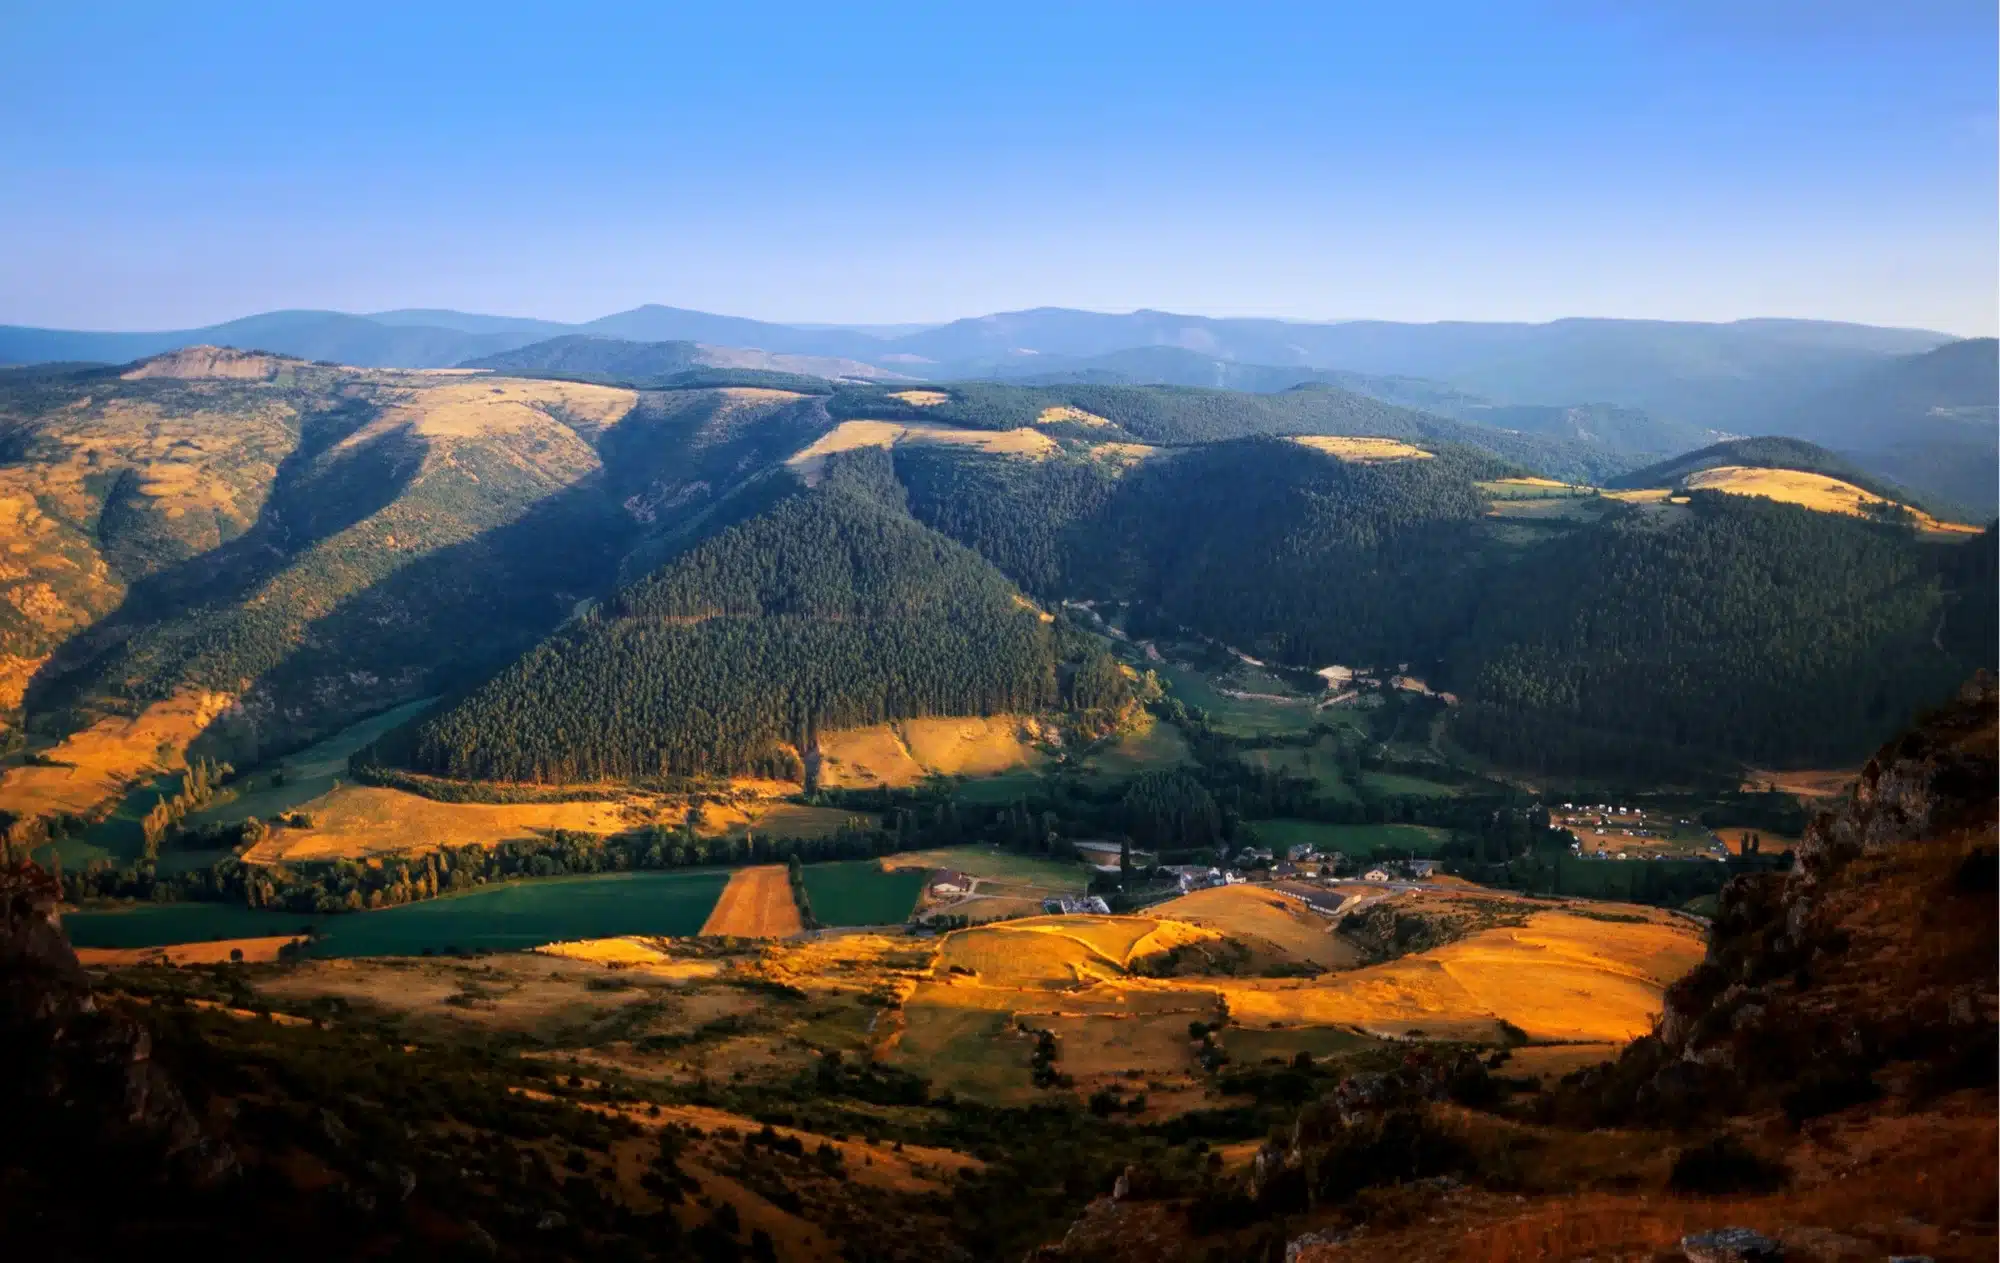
833 609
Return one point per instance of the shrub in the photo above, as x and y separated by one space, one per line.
1725 1165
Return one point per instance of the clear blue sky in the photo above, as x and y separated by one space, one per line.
167 165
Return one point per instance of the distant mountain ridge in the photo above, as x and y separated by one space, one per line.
592 355
1910 404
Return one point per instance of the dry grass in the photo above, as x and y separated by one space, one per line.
1560 977
468 408
1064 951
920 398
106 757
851 435
1361 451
1813 491
905 752
254 951
757 903
358 821
858 758
1644 495
1254 913
1063 412
971 747
1821 783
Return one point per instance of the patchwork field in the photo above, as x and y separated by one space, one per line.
757 903
1361 451
1813 491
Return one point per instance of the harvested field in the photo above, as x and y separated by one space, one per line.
849 435
1360 450
920 398
786 820
757 903
1812 491
993 864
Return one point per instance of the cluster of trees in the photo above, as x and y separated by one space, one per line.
198 785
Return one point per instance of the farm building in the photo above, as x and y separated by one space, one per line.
1070 905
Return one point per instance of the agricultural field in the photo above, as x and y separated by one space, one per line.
1397 784
863 892
992 864
1151 746
1241 712
1352 840
505 917
757 903
1319 763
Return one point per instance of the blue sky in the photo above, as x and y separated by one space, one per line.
171 165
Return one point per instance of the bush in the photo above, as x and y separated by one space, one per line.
1725 1165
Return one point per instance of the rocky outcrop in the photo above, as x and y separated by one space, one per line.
75 1079
197 362
1870 963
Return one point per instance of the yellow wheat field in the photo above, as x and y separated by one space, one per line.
1361 450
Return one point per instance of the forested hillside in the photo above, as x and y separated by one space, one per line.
832 609
1176 415
1752 631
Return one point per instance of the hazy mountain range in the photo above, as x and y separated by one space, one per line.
1915 405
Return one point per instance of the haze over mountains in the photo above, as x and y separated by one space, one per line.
1913 405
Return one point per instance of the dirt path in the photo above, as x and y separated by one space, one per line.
757 903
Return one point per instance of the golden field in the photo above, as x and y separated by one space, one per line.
757 903
1360 450
905 752
101 761
1813 491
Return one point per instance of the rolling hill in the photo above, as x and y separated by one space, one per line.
1770 452
247 552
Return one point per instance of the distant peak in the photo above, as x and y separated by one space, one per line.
193 362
